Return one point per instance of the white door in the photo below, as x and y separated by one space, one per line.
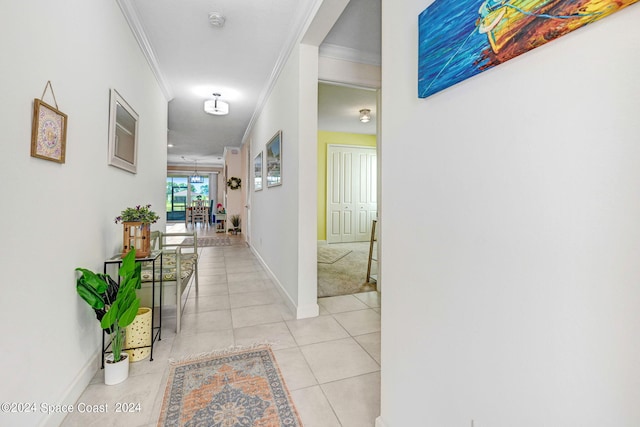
351 193
366 203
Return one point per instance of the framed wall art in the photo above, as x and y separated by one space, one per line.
257 172
123 134
49 132
460 39
274 160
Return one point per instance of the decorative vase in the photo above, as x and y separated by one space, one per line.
139 334
136 235
116 372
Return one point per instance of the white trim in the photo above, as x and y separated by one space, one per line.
74 391
300 26
291 305
348 72
131 15
380 422
328 50
306 311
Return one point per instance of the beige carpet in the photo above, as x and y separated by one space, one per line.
328 254
346 275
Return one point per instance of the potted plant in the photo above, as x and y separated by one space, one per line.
116 307
137 229
235 221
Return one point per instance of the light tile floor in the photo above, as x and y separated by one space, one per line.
331 363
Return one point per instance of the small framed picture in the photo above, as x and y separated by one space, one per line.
123 134
274 160
257 172
48 133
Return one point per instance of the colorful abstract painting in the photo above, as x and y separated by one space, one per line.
462 38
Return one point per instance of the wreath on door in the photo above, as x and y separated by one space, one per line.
234 183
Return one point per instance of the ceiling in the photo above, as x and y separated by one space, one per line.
193 59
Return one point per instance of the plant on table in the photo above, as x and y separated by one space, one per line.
235 221
140 213
115 305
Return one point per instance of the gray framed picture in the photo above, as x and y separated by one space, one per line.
123 134
274 160
257 172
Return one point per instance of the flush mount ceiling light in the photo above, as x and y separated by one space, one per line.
215 106
365 115
216 19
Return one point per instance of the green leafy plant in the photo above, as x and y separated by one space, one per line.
235 221
116 306
138 214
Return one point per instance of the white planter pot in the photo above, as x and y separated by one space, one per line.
115 373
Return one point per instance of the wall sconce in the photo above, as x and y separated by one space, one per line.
365 115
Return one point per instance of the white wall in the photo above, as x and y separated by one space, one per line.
234 204
280 215
56 217
512 288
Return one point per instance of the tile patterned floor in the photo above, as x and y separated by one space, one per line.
331 363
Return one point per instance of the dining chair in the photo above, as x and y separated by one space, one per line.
199 214
187 216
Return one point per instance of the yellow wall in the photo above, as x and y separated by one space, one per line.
324 139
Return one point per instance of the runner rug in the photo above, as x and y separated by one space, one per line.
204 242
233 388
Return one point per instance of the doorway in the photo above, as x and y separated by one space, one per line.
182 191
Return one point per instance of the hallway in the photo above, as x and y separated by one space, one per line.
331 363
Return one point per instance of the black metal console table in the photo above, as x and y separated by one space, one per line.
156 331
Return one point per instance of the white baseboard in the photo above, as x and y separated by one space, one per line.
379 422
74 391
308 310
293 307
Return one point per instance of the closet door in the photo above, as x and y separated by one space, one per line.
366 202
351 193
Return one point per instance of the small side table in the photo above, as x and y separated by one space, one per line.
156 331
221 220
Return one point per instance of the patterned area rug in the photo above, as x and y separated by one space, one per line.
209 241
329 255
234 388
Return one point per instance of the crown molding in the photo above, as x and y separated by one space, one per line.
301 23
131 15
348 54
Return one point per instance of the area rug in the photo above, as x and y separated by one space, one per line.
329 255
204 242
228 389
348 274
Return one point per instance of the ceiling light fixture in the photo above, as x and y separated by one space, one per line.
215 106
365 115
196 178
216 19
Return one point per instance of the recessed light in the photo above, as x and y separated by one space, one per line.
169 145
